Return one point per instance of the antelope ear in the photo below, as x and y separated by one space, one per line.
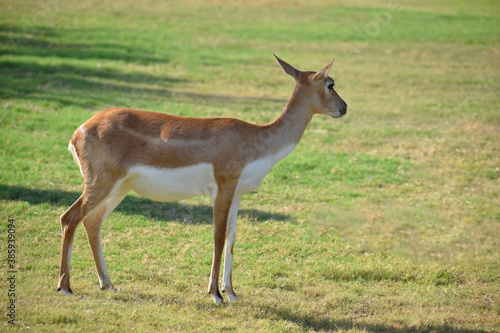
287 68
323 73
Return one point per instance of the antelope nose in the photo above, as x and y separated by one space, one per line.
343 109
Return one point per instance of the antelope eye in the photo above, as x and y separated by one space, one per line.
330 86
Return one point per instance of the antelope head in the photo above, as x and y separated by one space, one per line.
318 87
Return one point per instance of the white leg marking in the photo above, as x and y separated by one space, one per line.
228 255
94 236
104 280
112 202
70 249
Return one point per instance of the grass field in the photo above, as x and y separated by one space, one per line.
385 220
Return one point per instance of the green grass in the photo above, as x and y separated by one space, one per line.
384 220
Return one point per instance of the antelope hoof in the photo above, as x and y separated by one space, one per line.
232 297
66 291
110 287
217 297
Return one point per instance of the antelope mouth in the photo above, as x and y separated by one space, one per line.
338 114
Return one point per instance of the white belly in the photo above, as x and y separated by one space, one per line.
172 184
183 183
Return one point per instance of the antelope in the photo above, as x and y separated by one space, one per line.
167 158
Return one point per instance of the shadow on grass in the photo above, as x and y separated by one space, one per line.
48 42
319 324
159 211
41 67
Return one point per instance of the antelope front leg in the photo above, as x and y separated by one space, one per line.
222 205
227 281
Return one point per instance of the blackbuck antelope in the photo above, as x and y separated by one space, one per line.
167 158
